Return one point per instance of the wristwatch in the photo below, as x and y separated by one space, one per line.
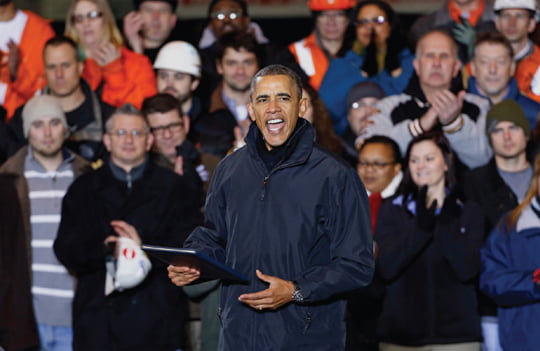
297 294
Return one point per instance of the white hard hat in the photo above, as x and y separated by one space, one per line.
515 4
132 265
179 56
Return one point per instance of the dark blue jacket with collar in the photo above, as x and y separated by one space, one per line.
529 106
509 258
306 220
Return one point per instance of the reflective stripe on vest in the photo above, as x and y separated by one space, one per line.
305 59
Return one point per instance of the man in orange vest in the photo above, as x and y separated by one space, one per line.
22 37
516 20
328 39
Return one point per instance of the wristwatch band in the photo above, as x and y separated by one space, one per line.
297 294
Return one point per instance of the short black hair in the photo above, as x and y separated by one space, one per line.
381 139
58 40
238 40
277 70
161 103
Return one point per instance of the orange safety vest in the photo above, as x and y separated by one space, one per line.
30 72
526 70
311 58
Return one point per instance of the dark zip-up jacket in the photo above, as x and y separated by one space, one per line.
430 276
305 220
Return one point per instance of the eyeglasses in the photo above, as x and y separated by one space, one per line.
171 127
92 15
375 20
377 165
221 16
357 105
122 133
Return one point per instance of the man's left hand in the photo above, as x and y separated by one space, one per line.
278 294
13 59
447 105
126 230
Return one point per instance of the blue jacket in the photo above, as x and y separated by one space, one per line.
307 220
345 72
529 106
508 262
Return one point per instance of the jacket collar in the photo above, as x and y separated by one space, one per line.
216 100
298 147
511 93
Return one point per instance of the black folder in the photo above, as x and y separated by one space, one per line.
209 267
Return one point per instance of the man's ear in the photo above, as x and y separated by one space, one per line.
149 141
302 107
219 68
415 65
173 21
457 67
107 141
80 68
186 120
194 84
249 106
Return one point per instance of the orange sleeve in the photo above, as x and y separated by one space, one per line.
128 79
30 72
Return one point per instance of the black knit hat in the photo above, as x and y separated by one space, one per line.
173 3
362 90
510 111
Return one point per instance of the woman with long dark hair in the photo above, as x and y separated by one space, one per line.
429 256
379 54
511 271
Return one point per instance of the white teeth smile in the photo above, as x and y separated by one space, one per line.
274 121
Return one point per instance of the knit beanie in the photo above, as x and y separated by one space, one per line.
362 90
42 106
510 111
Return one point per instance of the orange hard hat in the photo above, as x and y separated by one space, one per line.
324 5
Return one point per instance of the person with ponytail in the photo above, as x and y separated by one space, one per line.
511 271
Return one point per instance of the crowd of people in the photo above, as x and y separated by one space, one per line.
379 186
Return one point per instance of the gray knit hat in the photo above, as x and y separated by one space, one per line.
42 106
510 111
362 90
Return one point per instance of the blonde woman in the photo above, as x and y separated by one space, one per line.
122 75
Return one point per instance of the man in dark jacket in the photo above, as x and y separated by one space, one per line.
128 197
290 217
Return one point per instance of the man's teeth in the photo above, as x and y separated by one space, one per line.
274 121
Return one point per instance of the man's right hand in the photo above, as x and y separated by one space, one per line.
133 24
183 275
428 120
